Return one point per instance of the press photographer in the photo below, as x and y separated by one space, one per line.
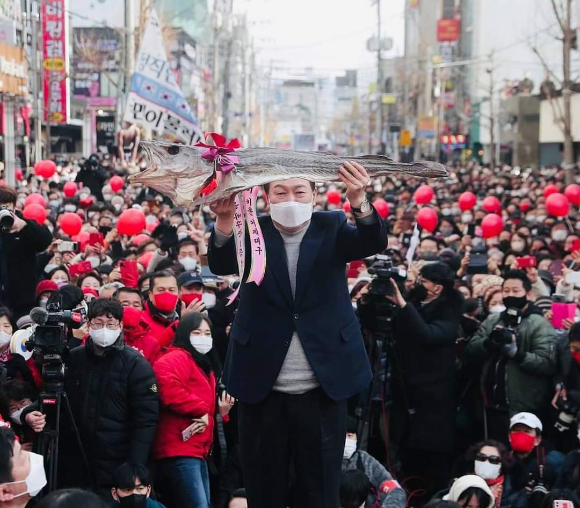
425 328
516 349
20 241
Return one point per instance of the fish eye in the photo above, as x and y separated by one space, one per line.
173 150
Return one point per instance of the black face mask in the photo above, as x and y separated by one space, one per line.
133 501
418 293
515 302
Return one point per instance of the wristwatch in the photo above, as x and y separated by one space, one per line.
365 207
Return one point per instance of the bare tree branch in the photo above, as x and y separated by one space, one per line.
545 65
558 15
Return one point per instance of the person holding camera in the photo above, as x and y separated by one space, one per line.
20 241
425 327
113 397
93 176
516 349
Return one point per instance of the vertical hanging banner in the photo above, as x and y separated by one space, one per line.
155 99
55 60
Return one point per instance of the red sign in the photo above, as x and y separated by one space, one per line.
448 30
55 60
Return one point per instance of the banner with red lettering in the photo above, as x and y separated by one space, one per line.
55 60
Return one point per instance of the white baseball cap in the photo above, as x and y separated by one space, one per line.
528 419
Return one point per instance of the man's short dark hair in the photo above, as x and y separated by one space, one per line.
6 453
162 274
105 307
239 493
187 241
127 474
133 291
518 275
267 186
438 242
7 195
143 278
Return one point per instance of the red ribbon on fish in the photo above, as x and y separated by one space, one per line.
220 152
245 212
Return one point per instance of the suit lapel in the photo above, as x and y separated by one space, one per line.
276 259
309 247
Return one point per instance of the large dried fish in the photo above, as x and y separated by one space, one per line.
179 172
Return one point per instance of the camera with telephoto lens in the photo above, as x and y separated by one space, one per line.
567 411
6 219
50 339
502 333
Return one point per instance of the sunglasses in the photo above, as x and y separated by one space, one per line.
493 459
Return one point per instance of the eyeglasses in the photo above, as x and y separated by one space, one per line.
99 326
492 459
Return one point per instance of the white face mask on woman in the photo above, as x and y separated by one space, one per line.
4 339
291 214
201 343
486 470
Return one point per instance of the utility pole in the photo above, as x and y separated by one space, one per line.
129 41
380 80
568 35
9 152
37 89
492 148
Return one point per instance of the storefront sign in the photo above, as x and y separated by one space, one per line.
448 30
13 70
55 61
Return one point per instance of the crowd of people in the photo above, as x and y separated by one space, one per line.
474 344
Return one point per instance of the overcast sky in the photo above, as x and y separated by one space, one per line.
327 35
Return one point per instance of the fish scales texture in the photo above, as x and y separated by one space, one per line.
180 173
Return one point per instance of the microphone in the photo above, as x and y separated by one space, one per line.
39 315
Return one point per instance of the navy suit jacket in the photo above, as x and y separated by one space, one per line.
321 313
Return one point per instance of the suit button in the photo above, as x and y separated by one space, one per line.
286 343
296 316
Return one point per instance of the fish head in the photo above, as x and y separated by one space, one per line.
176 171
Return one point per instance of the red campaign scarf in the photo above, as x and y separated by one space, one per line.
496 487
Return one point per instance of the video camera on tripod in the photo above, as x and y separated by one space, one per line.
383 272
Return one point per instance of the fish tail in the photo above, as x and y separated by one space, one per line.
383 165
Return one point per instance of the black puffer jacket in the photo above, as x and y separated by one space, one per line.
115 403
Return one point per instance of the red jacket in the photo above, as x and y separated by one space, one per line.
185 392
164 330
140 338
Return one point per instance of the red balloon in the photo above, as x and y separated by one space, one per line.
139 239
333 197
572 192
491 225
70 189
45 168
346 207
467 201
427 219
116 183
35 198
19 175
558 205
424 195
35 212
71 224
145 259
491 205
524 207
131 222
382 207
550 189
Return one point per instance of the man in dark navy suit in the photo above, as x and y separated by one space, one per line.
296 351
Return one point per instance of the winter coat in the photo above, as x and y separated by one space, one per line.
18 274
141 339
423 371
185 393
115 404
377 474
529 373
160 327
94 179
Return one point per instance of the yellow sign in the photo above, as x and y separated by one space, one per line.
389 99
405 138
413 4
54 64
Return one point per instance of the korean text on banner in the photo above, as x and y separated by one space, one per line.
55 60
155 99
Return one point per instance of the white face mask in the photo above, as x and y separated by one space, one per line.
4 339
518 246
61 282
36 479
70 208
560 235
486 470
201 343
42 303
182 235
117 206
94 261
291 214
104 337
497 309
540 218
209 299
15 415
466 218
49 268
349 448
188 263
107 197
